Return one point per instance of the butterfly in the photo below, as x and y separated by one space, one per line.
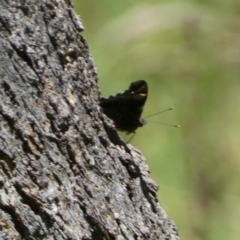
126 108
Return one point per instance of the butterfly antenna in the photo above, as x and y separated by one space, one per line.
168 109
171 125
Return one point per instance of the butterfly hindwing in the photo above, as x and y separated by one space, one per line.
125 108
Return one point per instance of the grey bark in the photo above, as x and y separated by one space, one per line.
64 172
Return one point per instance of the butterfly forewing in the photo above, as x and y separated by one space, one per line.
125 108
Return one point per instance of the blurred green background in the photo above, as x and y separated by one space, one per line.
189 53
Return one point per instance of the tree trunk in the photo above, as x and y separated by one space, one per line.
64 172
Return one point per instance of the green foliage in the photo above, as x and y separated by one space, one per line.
189 52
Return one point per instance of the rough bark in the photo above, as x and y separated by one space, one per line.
64 172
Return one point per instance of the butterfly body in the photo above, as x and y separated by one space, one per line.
125 108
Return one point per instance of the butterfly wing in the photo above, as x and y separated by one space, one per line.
125 108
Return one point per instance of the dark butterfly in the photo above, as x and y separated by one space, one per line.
125 108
